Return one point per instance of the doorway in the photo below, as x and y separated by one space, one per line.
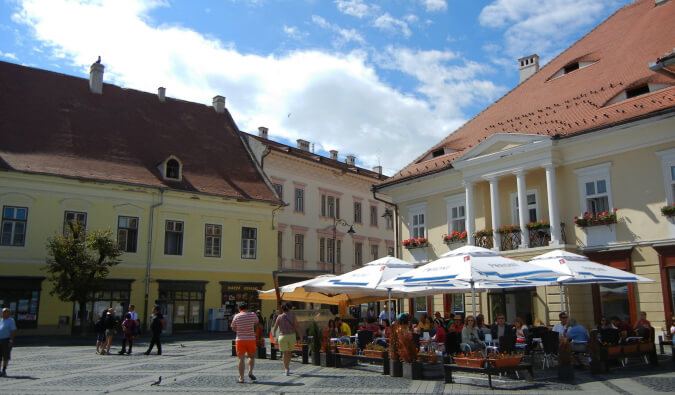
516 302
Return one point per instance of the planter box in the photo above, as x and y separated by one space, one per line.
470 362
423 245
298 347
395 368
432 371
646 347
374 353
412 370
347 350
427 358
630 348
327 359
316 358
613 350
505 362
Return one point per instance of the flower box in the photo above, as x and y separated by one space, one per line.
630 348
595 219
347 350
427 357
613 350
505 362
509 229
541 224
418 242
470 362
646 347
374 353
668 211
455 237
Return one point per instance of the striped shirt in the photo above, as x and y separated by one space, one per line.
244 324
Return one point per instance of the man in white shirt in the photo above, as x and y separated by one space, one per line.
385 314
561 327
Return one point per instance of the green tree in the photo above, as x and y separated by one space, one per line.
77 263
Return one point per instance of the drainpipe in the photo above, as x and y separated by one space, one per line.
397 251
149 259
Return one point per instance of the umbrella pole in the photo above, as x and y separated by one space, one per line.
562 302
389 306
473 299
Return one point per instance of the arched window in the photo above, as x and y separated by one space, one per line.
173 169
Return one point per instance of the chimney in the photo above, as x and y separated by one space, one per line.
219 104
262 132
351 160
96 77
528 66
161 94
333 154
378 169
303 144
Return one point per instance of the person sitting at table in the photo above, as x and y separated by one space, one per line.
449 322
642 326
470 334
458 325
521 329
624 328
480 321
386 328
501 328
332 330
438 318
578 338
603 323
440 335
561 327
372 326
424 322
342 327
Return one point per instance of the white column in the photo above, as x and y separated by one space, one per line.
554 216
469 220
496 217
522 209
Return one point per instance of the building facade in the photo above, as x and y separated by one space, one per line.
579 156
325 199
172 180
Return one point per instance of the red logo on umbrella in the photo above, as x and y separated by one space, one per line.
562 261
466 258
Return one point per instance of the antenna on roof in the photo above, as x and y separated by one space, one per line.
99 59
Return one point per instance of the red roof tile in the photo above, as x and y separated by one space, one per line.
622 48
51 124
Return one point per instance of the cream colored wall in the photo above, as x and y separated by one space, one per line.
48 197
316 176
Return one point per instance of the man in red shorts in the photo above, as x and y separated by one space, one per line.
244 324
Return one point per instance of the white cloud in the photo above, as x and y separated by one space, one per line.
344 35
294 33
434 5
389 23
8 55
542 26
355 8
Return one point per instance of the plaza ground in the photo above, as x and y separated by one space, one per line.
202 363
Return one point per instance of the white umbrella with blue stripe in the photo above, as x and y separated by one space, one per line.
470 267
578 269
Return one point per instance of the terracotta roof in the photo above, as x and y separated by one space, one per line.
50 123
312 157
621 47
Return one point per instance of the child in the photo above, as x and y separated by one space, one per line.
128 328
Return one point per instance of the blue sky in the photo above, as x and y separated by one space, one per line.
382 80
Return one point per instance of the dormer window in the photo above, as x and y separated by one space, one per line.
570 67
637 91
172 169
438 152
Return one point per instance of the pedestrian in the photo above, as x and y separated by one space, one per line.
288 333
99 326
244 324
129 331
7 332
157 324
134 316
110 324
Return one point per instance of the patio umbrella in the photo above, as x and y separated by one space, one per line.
297 292
578 269
469 267
364 280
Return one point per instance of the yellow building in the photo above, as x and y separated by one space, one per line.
173 180
591 131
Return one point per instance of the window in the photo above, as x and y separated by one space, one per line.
173 238
417 221
322 250
212 240
249 237
373 215
595 188
299 247
127 233
74 217
339 251
389 219
173 169
279 189
532 207
637 91
357 212
373 252
668 165
390 251
455 206
280 243
14 221
299 200
330 206
326 250
358 254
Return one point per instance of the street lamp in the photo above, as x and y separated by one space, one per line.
337 221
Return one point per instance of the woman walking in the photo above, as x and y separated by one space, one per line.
129 330
288 330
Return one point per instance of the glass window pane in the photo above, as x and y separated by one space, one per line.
602 187
590 188
21 213
8 213
672 173
531 199
461 211
454 212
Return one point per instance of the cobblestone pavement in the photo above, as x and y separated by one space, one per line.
203 364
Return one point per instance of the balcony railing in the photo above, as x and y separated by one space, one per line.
483 241
542 236
511 241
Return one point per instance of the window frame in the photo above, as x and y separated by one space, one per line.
214 237
455 202
66 221
374 251
414 211
667 164
358 253
299 200
373 215
330 205
279 189
246 247
358 213
594 174
128 230
13 221
180 235
299 247
535 206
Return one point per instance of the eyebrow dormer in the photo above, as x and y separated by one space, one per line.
171 169
572 66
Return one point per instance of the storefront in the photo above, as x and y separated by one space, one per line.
111 293
22 296
667 269
235 292
182 303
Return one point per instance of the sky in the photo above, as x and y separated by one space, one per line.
383 80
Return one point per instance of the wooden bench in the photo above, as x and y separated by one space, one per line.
488 369
600 356
384 360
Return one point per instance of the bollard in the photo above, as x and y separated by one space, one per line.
305 354
234 348
262 352
273 352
